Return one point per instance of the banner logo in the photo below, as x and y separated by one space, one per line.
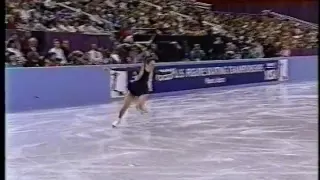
270 74
214 80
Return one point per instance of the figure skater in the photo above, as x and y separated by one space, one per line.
138 90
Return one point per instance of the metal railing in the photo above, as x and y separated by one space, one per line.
215 27
309 24
92 17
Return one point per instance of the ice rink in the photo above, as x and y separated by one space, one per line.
254 133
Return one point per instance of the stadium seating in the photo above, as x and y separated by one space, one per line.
179 30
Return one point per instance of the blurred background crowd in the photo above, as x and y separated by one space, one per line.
95 32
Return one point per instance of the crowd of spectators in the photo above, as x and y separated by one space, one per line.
229 36
22 49
48 16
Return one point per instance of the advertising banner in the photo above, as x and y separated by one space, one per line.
185 77
193 76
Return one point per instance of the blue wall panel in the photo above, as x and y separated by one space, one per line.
303 68
45 88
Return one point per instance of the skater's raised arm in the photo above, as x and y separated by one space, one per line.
151 66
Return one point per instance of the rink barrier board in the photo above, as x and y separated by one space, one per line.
37 88
46 88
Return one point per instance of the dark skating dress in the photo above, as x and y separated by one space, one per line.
140 87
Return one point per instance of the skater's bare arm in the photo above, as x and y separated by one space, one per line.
151 65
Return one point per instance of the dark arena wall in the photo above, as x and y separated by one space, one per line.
302 9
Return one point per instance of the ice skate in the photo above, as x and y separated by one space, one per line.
116 123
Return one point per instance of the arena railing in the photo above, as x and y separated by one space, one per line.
282 16
92 17
215 27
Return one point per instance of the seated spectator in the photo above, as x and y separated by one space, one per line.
58 51
66 48
105 55
231 55
270 50
14 38
33 60
13 61
95 56
257 50
25 12
50 59
31 46
246 53
197 53
10 22
231 47
18 55
9 59
285 51
77 58
185 51
218 49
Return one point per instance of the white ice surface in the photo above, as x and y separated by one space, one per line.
256 133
